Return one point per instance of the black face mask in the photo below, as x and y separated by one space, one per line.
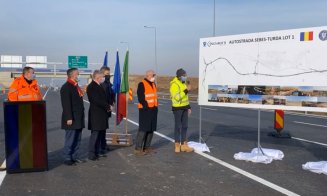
107 78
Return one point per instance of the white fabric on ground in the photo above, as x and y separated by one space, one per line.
253 157
274 154
256 155
198 146
319 167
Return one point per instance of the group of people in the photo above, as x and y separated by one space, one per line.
102 99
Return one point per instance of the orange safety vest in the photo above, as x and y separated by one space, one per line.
150 93
20 90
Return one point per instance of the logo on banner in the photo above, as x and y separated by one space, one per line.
306 36
204 44
323 35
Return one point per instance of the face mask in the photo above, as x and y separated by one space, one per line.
183 78
152 79
77 79
102 80
107 78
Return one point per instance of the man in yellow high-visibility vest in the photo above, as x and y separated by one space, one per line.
179 88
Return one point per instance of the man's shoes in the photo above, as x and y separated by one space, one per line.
150 151
69 162
102 155
95 158
79 160
139 152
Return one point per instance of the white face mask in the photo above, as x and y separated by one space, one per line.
183 78
152 79
102 80
77 79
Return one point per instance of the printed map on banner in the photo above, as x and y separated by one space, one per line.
271 70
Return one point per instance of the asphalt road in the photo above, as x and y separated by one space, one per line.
225 130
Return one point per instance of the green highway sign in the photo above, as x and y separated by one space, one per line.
77 61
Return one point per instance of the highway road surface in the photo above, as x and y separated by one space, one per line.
225 130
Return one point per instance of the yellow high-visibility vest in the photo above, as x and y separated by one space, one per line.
177 95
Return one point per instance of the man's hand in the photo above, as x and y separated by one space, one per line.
189 87
69 122
189 111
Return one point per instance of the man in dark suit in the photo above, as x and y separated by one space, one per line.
72 120
98 113
110 97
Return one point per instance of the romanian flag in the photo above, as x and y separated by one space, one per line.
25 136
306 36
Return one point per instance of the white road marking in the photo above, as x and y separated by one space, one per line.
231 167
304 140
3 172
209 109
46 93
317 125
249 175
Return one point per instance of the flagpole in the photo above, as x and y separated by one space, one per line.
116 105
126 121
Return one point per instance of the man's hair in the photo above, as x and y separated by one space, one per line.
27 69
103 69
70 71
95 73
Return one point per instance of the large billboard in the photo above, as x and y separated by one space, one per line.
270 70
36 61
9 61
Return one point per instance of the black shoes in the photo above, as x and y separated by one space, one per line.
94 158
102 155
69 162
79 160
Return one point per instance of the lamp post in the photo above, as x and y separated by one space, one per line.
214 18
155 49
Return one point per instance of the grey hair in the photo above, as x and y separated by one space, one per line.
95 73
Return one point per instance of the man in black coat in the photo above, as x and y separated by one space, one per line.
98 113
110 97
72 120
148 111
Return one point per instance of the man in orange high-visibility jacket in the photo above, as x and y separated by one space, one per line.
148 112
25 87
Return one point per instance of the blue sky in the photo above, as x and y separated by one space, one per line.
58 28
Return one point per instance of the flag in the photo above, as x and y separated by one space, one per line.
117 77
105 61
124 85
121 107
121 112
116 89
306 36
25 135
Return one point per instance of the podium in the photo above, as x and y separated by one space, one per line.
25 136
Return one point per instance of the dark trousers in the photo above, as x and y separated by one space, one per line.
94 144
103 142
181 124
72 143
143 140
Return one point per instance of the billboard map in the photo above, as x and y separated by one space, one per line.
270 70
